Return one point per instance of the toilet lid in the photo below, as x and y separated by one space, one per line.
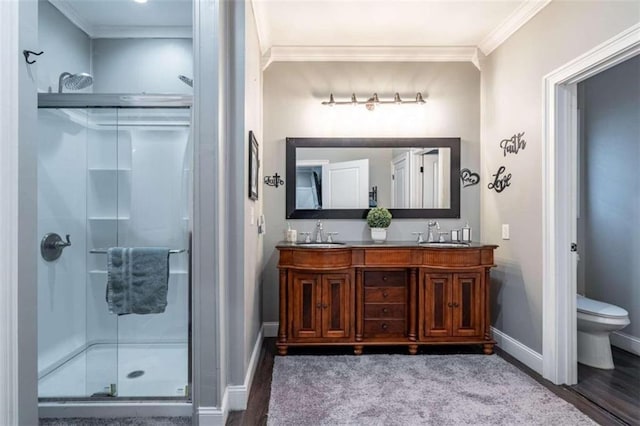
595 307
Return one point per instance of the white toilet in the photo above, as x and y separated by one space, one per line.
596 320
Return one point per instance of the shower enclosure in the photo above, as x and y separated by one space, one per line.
113 171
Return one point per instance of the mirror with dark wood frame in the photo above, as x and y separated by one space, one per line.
342 178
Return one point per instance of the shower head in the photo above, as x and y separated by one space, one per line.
186 80
74 81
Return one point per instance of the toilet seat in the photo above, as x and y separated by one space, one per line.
600 309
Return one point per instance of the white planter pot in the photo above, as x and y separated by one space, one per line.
379 235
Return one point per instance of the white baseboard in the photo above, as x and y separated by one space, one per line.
214 416
239 394
626 341
270 329
519 351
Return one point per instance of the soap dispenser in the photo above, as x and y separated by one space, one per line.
466 233
292 234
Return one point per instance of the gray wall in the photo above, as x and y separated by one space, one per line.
66 48
142 65
253 242
610 188
293 92
512 102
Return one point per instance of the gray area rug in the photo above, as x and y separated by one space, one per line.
411 390
122 421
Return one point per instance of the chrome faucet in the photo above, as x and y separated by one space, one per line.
318 238
430 225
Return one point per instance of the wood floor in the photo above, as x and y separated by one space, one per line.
258 403
618 390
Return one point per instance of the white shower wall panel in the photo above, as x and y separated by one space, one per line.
62 209
151 213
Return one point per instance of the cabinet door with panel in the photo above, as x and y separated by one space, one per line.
435 303
305 305
467 301
336 305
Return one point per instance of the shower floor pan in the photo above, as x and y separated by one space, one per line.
138 371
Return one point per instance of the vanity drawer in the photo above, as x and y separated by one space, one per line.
384 328
385 278
385 310
384 295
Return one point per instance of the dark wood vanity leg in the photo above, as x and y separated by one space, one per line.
357 349
413 349
413 297
282 327
487 348
359 308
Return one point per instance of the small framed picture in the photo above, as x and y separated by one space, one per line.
254 166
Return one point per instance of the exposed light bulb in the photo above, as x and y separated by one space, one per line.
396 99
354 101
332 102
419 99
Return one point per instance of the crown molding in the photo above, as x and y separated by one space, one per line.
67 10
114 31
370 54
511 24
259 16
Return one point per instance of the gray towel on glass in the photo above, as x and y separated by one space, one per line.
137 280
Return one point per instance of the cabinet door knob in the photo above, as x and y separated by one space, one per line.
319 305
455 305
450 305
384 326
384 278
385 310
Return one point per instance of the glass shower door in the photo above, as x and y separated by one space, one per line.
153 348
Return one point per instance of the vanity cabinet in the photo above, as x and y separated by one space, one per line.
384 294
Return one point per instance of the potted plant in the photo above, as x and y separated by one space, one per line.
379 219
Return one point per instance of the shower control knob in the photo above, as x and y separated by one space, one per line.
52 245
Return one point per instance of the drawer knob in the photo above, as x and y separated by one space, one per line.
385 294
384 326
385 310
384 278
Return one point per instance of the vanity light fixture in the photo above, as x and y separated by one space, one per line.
374 101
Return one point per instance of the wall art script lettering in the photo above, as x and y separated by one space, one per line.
469 178
500 181
514 144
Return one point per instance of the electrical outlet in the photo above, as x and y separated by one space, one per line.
505 231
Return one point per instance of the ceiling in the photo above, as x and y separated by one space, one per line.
308 24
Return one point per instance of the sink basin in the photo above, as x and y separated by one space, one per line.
446 244
321 245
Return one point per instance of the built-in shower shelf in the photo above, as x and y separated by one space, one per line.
108 170
100 272
108 218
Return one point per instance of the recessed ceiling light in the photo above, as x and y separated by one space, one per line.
140 1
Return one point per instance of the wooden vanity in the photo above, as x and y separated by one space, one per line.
362 294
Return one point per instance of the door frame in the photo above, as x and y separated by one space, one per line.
559 194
